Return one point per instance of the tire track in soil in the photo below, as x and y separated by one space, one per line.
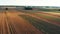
22 26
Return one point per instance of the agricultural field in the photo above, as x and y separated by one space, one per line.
29 22
47 22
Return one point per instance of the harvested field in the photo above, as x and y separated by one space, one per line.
18 22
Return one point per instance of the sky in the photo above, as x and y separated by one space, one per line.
31 2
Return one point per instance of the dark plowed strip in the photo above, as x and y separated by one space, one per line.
47 28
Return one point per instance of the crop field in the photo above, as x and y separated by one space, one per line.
47 22
29 22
